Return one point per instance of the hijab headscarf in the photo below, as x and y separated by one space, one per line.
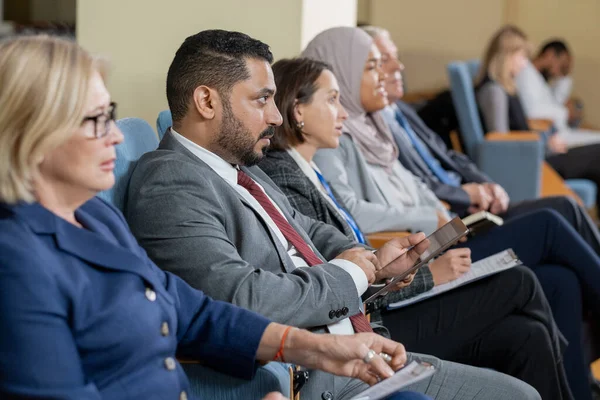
346 50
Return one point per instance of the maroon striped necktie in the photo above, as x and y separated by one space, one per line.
359 321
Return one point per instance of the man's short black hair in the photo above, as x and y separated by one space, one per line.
557 46
215 58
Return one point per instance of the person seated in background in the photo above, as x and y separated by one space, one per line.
85 313
502 111
229 231
364 171
452 176
545 85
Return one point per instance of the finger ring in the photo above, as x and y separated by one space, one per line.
386 357
369 357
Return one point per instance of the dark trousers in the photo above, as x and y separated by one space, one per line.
580 162
575 215
544 237
502 322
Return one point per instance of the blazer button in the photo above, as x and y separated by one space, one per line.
332 314
338 313
170 364
345 311
183 396
150 294
327 396
164 329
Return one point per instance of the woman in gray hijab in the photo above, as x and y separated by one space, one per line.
379 192
382 195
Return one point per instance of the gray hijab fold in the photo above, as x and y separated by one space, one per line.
346 50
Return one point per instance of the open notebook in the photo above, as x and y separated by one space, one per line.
488 266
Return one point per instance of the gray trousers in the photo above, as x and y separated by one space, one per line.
451 381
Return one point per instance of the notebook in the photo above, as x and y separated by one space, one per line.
488 266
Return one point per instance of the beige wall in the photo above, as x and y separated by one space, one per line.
319 15
431 33
140 37
578 22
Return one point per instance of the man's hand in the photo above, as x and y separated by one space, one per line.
478 196
450 266
343 354
363 258
403 283
557 145
395 258
500 199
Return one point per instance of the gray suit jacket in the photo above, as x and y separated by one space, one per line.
194 224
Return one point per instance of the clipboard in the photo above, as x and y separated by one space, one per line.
439 241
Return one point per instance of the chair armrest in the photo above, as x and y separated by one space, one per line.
539 124
378 239
206 383
513 136
554 185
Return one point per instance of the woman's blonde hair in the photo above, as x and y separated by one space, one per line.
44 84
505 43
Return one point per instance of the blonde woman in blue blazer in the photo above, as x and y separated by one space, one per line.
84 313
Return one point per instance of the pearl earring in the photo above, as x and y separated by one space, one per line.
300 125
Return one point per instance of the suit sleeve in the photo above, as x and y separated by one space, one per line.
181 226
371 217
39 358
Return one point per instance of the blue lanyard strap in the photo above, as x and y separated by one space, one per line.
345 214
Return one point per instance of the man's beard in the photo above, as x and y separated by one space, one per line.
236 140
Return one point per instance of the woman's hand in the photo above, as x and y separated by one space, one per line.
275 396
450 266
344 355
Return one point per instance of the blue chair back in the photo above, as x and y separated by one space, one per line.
140 138
473 66
463 97
163 122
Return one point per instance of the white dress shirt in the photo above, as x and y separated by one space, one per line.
540 100
230 173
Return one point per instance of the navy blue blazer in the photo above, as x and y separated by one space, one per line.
85 314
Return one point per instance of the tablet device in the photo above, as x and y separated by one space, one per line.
439 241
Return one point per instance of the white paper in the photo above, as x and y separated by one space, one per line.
488 266
408 375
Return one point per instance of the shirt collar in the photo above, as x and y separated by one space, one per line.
216 163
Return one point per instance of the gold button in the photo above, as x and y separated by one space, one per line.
164 329
170 364
183 396
150 294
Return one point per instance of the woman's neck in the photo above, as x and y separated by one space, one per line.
62 203
306 150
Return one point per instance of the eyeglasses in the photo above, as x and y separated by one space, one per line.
102 121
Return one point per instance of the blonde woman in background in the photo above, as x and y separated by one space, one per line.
496 91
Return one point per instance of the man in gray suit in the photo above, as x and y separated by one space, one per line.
203 211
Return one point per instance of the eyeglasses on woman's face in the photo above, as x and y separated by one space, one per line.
102 122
